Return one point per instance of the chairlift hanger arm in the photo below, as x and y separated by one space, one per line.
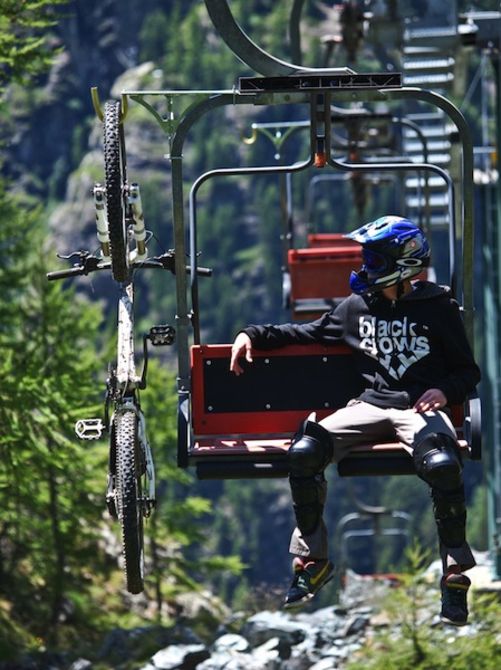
244 48
467 231
294 32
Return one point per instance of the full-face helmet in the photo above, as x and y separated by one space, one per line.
393 249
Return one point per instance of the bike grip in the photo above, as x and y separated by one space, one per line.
64 274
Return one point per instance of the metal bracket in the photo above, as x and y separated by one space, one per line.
96 103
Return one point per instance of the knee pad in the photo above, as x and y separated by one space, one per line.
311 450
309 454
438 462
450 515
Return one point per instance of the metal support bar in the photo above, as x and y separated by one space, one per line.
245 49
415 167
294 31
224 172
467 230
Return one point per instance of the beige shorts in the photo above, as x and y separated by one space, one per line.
361 423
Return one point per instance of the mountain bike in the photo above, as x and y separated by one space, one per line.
130 489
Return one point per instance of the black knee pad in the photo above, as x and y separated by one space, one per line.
450 515
309 454
311 450
438 462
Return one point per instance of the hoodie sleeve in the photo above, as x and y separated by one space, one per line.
328 329
463 372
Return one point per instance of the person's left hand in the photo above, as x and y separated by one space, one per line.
432 399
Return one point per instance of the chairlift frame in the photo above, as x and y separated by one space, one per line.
292 85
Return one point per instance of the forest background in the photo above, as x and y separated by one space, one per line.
60 577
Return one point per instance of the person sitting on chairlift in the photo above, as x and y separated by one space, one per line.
411 347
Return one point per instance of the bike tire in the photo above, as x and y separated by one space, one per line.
129 497
115 181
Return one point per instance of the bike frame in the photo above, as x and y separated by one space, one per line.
126 397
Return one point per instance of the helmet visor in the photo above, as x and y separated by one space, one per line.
374 263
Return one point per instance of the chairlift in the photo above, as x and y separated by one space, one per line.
241 427
369 523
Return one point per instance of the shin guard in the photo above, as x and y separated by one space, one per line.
449 510
309 454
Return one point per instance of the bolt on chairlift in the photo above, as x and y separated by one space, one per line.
241 427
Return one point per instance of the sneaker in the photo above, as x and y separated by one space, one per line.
309 577
454 594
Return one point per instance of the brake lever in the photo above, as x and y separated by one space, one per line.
82 255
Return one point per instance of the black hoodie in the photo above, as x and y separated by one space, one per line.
402 347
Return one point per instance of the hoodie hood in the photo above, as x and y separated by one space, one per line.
421 290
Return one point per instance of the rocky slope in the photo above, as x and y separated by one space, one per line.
328 638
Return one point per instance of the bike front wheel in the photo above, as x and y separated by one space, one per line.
129 498
115 184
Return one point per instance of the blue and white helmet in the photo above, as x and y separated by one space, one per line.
393 249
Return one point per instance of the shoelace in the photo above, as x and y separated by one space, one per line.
300 581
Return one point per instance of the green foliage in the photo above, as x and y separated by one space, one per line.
153 35
47 491
411 642
52 569
25 50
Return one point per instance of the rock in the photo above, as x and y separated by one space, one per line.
120 645
231 643
81 664
328 621
325 664
180 657
265 625
202 606
354 625
267 656
229 662
325 639
380 620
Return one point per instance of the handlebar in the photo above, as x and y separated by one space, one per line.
90 264
64 274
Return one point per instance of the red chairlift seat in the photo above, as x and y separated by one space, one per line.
242 426
319 276
315 240
320 273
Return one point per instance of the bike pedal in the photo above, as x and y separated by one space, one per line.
162 335
89 429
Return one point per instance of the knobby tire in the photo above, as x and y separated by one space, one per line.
115 179
129 497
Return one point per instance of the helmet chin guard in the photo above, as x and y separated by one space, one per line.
393 248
